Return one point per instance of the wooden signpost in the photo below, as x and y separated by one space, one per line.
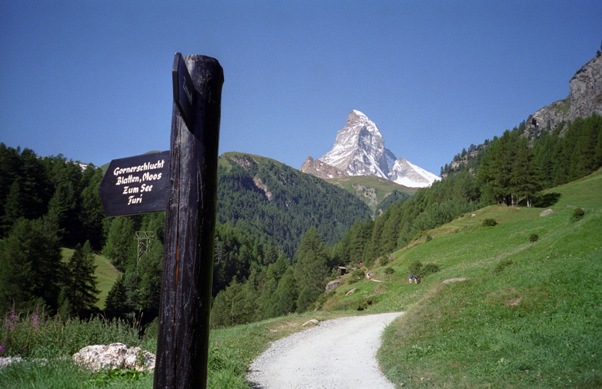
136 185
183 342
187 176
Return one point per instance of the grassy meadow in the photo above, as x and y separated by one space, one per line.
514 305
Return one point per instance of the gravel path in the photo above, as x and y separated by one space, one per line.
338 353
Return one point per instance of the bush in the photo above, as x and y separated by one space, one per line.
389 270
357 275
533 238
430 268
365 304
429 238
489 223
578 214
417 268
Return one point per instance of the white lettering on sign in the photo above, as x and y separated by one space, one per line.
133 179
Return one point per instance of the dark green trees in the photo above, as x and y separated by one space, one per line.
277 289
120 244
508 172
272 201
135 246
311 269
32 271
78 294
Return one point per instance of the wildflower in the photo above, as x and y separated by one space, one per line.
36 320
12 320
2 349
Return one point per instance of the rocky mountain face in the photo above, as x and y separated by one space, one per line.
584 99
359 150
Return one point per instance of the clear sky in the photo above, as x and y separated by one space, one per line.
91 79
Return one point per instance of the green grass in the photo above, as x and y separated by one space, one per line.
528 315
105 273
47 344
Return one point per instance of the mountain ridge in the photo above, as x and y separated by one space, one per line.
584 99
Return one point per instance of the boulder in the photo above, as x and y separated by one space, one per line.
332 285
114 356
312 322
546 212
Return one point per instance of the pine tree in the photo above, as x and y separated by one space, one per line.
15 286
116 304
91 213
13 207
311 269
80 292
524 180
30 259
285 297
149 270
120 242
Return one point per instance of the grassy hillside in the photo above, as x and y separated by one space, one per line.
105 273
503 311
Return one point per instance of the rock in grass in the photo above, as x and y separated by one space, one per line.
114 356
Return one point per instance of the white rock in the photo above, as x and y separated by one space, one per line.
114 356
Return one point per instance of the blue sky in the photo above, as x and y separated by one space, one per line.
91 79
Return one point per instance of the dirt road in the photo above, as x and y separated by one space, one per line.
338 353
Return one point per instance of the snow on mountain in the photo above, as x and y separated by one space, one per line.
407 174
359 150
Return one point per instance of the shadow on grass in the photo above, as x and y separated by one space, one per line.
546 200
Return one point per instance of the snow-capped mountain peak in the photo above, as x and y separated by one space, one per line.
359 150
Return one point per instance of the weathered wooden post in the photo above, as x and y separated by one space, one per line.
182 348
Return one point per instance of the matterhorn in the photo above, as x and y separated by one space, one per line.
359 150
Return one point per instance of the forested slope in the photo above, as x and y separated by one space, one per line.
272 200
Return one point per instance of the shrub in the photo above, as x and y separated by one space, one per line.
430 268
489 223
357 275
365 304
415 267
533 238
429 238
578 214
389 270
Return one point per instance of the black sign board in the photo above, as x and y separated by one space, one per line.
183 90
136 185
